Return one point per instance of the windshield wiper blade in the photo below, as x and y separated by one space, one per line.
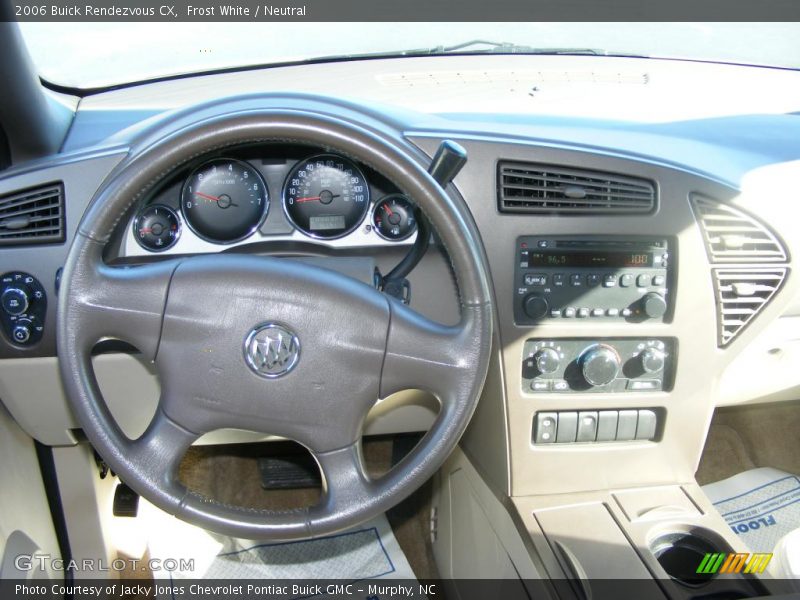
473 46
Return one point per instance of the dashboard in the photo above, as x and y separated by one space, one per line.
640 239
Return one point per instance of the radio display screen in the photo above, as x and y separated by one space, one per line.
590 259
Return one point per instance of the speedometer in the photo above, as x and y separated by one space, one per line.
326 196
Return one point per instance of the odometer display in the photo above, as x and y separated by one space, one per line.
326 196
224 200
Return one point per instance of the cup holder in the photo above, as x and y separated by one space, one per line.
680 554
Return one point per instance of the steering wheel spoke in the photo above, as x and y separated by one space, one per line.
427 355
347 488
125 303
160 450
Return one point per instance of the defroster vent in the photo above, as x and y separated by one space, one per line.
32 216
530 188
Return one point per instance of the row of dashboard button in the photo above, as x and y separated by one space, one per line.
565 427
582 313
593 280
561 385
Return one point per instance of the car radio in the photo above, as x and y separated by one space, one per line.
609 278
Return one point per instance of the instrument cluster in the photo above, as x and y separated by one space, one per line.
268 194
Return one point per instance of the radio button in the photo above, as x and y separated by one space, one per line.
659 280
535 279
583 312
569 312
609 280
576 280
558 279
593 279
613 312
598 312
555 313
626 280
626 312
643 280
540 385
560 385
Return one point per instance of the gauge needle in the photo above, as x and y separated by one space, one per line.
308 199
388 210
206 196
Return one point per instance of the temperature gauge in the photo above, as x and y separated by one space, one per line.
156 227
393 218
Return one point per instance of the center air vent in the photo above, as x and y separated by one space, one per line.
543 189
741 294
732 236
33 216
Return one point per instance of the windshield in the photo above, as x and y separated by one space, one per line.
90 55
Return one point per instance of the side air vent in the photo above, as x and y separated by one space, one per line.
741 294
33 216
732 236
536 189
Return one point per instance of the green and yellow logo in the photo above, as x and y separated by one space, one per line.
740 562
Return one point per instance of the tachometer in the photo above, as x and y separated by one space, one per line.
224 200
326 196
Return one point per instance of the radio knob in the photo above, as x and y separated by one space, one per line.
652 360
600 364
547 361
653 305
535 306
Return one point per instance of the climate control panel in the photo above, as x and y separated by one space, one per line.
607 365
23 305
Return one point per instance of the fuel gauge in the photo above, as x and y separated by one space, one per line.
393 218
156 227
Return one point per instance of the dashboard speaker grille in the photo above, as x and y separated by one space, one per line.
735 237
741 294
32 216
535 189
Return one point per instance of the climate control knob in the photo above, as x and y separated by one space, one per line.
600 364
653 305
547 361
535 306
652 360
15 300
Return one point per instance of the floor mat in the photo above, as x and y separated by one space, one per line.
369 551
760 505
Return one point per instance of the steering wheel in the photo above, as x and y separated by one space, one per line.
268 344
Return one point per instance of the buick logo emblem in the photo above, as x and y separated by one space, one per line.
271 350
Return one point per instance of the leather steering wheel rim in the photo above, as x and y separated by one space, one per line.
364 345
